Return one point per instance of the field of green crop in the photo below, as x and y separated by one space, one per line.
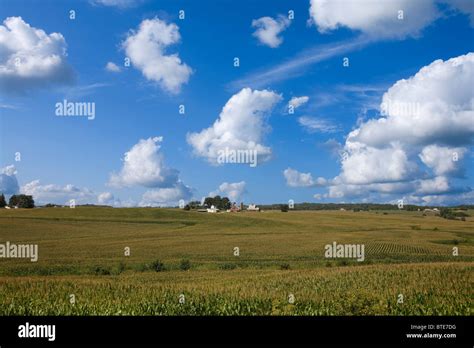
184 263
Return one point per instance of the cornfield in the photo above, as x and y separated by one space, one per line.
280 269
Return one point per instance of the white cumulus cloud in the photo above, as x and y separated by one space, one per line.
233 191
367 165
434 105
144 165
146 48
169 196
57 194
464 6
269 29
376 19
426 116
112 67
241 126
296 179
107 198
8 181
437 185
418 144
31 58
442 159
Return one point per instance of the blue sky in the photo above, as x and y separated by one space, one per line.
302 157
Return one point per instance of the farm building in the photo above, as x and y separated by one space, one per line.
212 209
434 211
253 207
234 208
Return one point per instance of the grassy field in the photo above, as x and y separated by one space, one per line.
281 269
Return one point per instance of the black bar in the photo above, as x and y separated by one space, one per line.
239 330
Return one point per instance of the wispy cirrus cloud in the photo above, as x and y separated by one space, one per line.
121 4
314 125
295 66
8 106
362 97
80 91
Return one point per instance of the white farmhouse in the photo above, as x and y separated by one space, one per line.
253 207
212 209
434 211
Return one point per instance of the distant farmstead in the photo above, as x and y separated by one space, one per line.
234 209
212 209
253 207
434 211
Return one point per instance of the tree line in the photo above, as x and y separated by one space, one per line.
224 203
20 201
221 203
354 206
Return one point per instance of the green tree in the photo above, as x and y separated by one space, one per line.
216 201
209 201
3 203
194 204
225 203
447 214
21 201
219 202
